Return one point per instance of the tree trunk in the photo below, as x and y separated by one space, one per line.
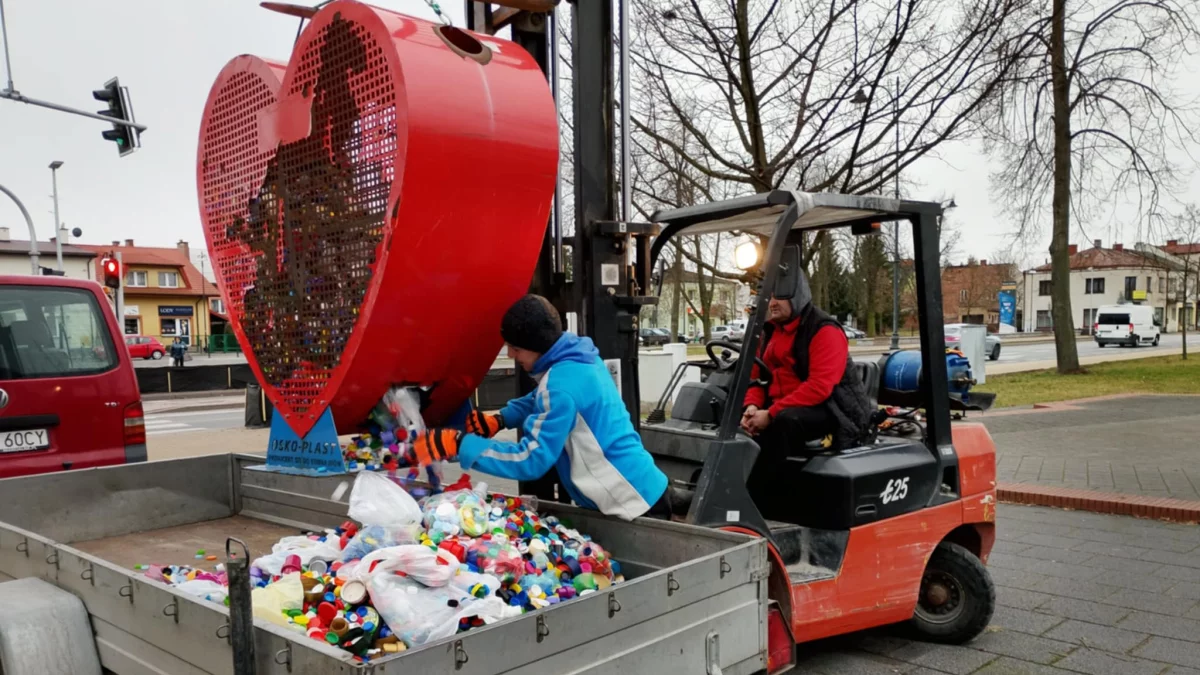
676 295
1183 325
1060 264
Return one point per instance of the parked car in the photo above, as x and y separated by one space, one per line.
654 337
1125 325
737 329
853 333
68 391
144 347
954 336
721 333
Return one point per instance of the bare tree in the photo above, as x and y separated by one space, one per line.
1188 226
1090 114
836 95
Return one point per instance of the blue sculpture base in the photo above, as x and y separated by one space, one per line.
317 454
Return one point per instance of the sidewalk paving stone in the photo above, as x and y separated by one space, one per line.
1120 615
1086 445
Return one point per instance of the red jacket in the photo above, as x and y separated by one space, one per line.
827 354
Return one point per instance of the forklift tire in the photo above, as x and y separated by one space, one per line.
956 599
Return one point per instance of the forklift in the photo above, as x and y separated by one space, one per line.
895 531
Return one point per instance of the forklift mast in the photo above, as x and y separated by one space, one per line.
605 290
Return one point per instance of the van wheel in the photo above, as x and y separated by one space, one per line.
1156 337
957 597
156 355
995 355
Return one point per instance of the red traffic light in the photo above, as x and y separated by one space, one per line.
112 272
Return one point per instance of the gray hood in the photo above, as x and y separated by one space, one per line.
803 297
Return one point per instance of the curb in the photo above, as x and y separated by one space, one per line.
1158 508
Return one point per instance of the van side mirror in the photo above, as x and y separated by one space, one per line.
788 281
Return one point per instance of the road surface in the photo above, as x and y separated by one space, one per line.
167 423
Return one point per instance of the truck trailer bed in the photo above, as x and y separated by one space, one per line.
694 599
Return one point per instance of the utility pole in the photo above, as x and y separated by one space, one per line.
121 294
54 166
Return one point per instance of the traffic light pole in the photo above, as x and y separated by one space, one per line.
21 98
121 294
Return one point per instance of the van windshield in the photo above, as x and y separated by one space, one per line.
52 332
1112 319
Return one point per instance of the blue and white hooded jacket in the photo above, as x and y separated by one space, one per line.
576 421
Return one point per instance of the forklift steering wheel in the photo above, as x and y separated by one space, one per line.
764 372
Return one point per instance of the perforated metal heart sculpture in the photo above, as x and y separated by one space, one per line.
374 206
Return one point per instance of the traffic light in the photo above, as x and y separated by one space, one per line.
119 107
112 272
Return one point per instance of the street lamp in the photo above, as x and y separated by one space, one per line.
54 166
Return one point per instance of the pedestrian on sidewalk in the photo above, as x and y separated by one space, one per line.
178 350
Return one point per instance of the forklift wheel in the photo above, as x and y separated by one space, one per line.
957 597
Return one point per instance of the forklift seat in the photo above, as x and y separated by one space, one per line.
868 373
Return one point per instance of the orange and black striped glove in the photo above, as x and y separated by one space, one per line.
435 445
482 424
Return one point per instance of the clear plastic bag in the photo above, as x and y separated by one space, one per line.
376 500
374 537
453 512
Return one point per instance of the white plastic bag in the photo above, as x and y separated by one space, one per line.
418 614
414 561
303 547
203 588
376 500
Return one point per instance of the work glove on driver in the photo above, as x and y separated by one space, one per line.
482 424
434 445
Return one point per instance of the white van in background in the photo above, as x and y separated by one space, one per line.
737 329
1130 325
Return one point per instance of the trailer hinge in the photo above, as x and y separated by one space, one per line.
760 574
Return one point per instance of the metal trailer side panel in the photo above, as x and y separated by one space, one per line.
97 503
147 627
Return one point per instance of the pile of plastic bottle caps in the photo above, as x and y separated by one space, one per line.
406 573
391 424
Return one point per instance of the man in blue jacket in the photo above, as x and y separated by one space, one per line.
575 421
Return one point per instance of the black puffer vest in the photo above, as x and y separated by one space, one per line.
848 403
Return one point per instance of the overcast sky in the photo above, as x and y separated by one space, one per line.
168 52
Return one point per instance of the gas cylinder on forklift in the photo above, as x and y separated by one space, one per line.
895 530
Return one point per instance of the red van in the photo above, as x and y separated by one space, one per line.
68 395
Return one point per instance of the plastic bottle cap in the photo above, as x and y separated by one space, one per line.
354 592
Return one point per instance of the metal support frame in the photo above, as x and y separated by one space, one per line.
33 243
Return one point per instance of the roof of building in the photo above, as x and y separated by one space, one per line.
1175 248
194 284
21 247
1106 258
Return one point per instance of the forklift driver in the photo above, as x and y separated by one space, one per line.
575 422
814 392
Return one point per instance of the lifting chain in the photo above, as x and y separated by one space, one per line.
437 10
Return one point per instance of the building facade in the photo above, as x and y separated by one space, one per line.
166 297
971 292
1106 276
14 257
729 299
